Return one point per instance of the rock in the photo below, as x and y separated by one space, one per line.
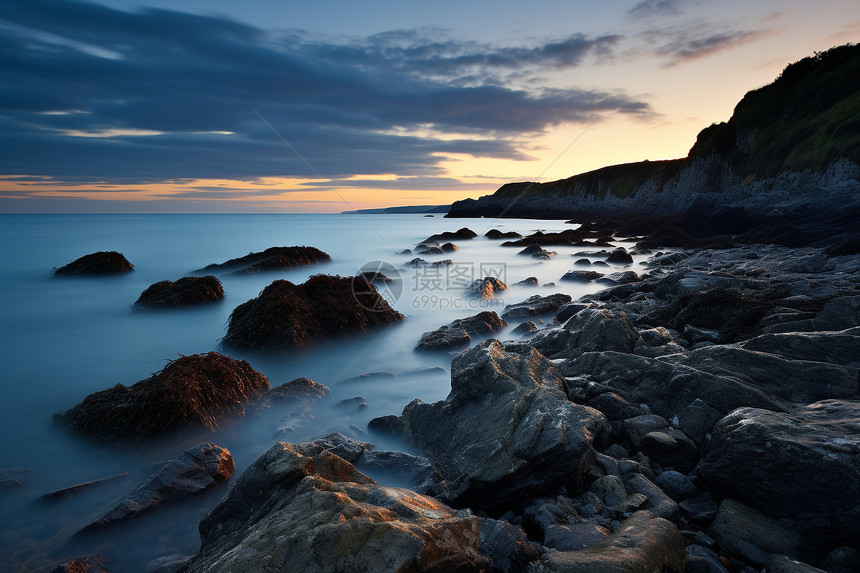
496 234
192 391
506 429
272 259
638 427
405 252
582 263
751 535
700 509
300 507
658 502
486 288
459 333
597 329
449 248
610 490
185 291
785 564
73 489
507 545
574 536
790 465
287 316
462 234
620 278
642 543
531 250
842 560
298 389
92 564
9 485
565 311
839 314
100 263
676 484
196 469
402 467
697 420
703 560
525 328
428 250
167 564
536 305
842 347
376 276
530 281
581 276
354 403
620 256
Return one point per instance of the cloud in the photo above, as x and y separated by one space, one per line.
658 8
173 96
696 39
399 183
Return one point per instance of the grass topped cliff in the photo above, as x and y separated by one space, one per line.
807 119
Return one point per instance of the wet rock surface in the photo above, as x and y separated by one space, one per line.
459 333
195 470
301 507
506 428
536 305
287 316
193 391
272 259
183 292
94 264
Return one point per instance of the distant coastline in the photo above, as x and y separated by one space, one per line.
427 209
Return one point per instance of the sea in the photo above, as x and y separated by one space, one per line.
64 338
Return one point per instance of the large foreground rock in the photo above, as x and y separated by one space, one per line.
196 469
196 390
99 263
185 291
287 316
459 333
300 507
272 259
506 429
641 544
802 466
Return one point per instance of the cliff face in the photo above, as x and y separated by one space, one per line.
791 146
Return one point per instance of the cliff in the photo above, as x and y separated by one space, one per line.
792 146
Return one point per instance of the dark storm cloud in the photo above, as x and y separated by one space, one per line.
185 76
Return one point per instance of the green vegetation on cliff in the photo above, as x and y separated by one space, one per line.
806 119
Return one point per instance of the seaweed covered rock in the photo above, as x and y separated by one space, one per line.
301 507
185 291
287 316
506 429
195 470
459 332
99 263
196 390
272 259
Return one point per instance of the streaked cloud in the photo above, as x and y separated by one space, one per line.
93 93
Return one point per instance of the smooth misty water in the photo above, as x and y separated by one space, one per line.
64 338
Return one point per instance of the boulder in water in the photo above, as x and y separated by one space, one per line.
183 292
99 263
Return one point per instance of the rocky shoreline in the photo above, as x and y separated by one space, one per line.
702 416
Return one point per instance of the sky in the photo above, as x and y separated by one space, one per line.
209 106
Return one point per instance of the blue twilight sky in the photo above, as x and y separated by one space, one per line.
193 106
